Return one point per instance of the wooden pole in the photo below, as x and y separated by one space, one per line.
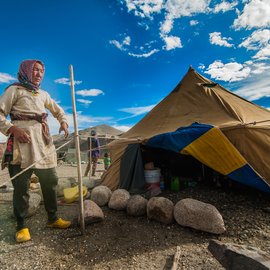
77 144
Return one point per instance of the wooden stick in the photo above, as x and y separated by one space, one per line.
78 156
4 181
176 258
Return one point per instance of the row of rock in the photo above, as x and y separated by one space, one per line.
187 212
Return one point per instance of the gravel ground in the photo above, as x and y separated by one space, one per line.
124 242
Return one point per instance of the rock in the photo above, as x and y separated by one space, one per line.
101 195
160 209
136 206
92 212
90 183
235 257
34 203
62 184
119 199
198 215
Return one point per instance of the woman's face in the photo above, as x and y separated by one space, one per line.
37 74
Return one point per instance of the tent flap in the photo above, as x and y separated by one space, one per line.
131 169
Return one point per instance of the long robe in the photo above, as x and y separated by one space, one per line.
17 100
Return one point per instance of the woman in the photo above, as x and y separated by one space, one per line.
29 141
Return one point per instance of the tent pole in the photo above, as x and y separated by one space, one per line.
77 144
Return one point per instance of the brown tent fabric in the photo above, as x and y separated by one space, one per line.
198 99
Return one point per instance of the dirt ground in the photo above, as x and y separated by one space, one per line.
124 242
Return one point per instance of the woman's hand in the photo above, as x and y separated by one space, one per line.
21 135
64 127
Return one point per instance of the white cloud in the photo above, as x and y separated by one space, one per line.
216 39
256 14
167 26
144 8
181 8
66 81
257 40
90 92
256 87
224 6
229 72
6 78
258 68
172 42
249 62
201 66
122 127
84 101
144 55
122 46
193 22
144 25
263 54
135 111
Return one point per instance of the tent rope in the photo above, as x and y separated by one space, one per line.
4 181
254 123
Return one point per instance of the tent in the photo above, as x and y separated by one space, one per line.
201 119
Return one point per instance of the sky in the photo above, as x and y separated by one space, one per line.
128 55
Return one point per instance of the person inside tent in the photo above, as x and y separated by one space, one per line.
29 142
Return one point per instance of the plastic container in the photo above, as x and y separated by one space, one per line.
175 183
152 176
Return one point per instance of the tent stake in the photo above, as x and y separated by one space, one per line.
77 144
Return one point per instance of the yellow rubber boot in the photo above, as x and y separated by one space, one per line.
59 224
22 235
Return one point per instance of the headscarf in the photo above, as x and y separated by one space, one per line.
25 75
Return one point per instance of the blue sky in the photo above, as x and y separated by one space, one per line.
128 55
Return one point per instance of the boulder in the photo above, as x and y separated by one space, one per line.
199 215
119 199
92 212
236 257
160 209
101 195
136 205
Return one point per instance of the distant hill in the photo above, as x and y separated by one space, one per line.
108 132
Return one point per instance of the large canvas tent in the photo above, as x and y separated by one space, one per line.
201 119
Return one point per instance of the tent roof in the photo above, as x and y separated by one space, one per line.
197 99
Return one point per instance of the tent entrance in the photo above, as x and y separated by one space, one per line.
189 170
172 164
